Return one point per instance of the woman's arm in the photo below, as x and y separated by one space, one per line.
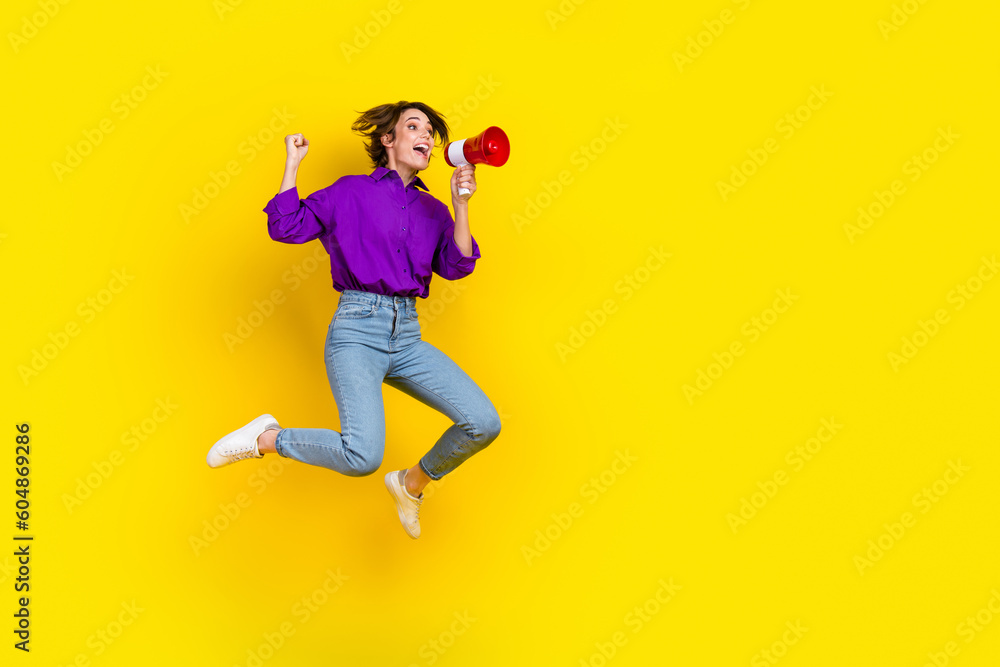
296 146
463 177
457 251
294 220
463 236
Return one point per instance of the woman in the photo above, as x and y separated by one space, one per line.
385 238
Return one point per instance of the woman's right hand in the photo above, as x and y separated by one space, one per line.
297 147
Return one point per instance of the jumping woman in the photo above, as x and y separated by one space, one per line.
385 234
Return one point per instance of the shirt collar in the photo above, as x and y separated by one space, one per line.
382 171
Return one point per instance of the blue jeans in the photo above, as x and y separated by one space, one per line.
375 339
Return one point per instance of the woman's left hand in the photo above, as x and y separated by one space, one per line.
463 177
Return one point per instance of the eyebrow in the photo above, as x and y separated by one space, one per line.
417 119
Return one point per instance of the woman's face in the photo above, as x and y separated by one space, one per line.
413 143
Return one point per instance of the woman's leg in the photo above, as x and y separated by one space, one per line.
355 372
429 375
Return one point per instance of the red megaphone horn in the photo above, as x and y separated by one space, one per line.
491 146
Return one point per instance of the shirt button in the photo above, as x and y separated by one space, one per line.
404 208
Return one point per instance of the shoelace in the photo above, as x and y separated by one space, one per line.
240 454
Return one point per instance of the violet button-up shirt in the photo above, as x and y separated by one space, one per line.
382 237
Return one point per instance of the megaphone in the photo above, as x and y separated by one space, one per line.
491 146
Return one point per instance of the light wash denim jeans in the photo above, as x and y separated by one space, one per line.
375 339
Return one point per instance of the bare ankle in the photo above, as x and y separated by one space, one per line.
265 441
412 487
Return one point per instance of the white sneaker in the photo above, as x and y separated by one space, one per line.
240 444
407 506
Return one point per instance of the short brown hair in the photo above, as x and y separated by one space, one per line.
381 120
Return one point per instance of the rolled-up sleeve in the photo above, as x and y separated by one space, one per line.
291 220
449 261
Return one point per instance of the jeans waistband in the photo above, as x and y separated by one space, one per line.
358 296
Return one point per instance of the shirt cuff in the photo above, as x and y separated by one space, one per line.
459 260
284 203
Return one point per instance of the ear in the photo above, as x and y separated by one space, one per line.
386 140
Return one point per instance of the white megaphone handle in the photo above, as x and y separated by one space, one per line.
456 155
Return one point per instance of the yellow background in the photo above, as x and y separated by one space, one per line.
555 82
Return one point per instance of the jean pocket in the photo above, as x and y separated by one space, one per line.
353 310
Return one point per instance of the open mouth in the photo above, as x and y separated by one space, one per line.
423 149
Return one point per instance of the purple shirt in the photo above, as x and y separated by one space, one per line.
382 237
